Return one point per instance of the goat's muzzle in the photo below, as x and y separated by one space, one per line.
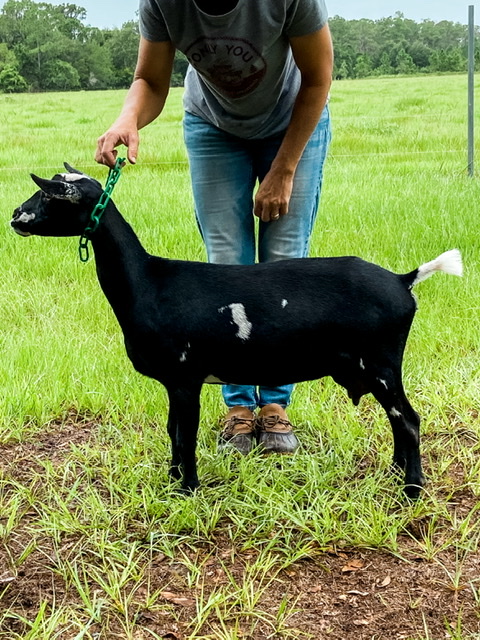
19 219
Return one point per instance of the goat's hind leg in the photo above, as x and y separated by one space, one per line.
405 423
174 471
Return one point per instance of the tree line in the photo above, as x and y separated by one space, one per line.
45 47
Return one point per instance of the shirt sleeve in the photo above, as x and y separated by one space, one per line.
305 17
151 22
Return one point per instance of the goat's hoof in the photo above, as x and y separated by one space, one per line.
189 489
412 491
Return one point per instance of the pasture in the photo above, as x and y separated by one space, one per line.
94 541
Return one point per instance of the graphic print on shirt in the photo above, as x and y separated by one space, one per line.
232 65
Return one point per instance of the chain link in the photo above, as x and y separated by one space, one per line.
96 215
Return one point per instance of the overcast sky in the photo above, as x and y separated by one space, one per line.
113 13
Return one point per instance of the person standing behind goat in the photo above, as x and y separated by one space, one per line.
256 109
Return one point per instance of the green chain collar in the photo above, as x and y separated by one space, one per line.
113 176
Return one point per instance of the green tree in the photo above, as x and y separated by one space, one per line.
11 81
363 66
122 45
420 54
445 61
180 65
60 76
42 35
385 68
404 63
345 54
39 39
398 45
342 72
7 57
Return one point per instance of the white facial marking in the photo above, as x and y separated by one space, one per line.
284 303
383 382
73 194
25 217
395 412
239 317
213 380
362 366
73 177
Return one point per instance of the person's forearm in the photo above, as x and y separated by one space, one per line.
149 90
143 103
273 196
308 108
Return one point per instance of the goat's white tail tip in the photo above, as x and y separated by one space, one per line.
451 262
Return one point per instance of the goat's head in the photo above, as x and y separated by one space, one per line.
62 207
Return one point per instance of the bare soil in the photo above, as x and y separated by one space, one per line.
345 593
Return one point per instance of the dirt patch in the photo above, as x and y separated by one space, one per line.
347 594
21 460
342 593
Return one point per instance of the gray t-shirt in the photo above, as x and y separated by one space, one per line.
242 77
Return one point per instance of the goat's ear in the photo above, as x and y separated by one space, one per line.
58 189
71 169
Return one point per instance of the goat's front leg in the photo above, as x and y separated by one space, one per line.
405 422
184 414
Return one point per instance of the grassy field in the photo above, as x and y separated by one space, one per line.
94 541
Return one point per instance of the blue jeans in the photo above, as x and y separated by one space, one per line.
224 171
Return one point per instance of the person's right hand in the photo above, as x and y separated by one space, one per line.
126 134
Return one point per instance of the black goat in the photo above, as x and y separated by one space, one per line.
187 323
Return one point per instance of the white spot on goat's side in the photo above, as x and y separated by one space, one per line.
239 317
384 382
395 412
284 303
183 355
362 366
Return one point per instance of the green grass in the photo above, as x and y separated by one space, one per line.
100 509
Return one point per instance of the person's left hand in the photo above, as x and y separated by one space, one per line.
273 196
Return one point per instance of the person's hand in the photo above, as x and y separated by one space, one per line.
126 134
273 196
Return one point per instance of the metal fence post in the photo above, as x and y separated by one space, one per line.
471 70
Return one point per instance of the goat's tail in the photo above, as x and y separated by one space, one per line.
450 262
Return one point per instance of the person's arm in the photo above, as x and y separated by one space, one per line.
313 55
144 102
